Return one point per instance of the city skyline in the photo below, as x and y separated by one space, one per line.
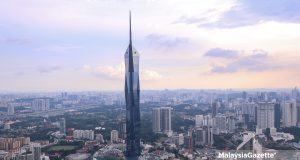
76 45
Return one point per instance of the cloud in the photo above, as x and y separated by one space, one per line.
222 53
256 61
250 12
58 48
15 41
162 41
48 69
117 72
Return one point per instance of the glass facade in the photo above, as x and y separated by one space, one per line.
132 95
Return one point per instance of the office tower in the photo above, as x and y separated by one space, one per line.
289 113
36 151
41 104
188 142
156 120
166 119
161 120
11 109
114 136
265 115
220 124
295 93
62 126
200 136
244 95
249 109
210 136
277 113
231 124
298 112
207 120
199 121
214 109
132 96
122 129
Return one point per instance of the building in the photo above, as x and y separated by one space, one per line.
220 125
114 136
289 113
132 97
36 151
83 134
99 137
166 119
4 155
265 115
231 124
156 120
62 126
11 109
278 114
214 109
122 130
249 109
199 121
40 104
161 120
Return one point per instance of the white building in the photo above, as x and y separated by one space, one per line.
114 136
41 104
83 134
265 115
199 121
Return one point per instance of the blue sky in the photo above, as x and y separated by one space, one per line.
56 45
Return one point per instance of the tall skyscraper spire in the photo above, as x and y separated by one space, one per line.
130 34
132 96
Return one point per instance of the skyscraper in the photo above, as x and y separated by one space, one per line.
214 109
265 115
166 120
132 96
156 120
62 126
289 113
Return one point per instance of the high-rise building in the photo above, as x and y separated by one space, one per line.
298 112
114 136
62 126
214 109
156 120
11 109
132 96
289 113
220 125
161 120
265 115
249 109
199 121
122 130
41 104
277 113
36 150
166 119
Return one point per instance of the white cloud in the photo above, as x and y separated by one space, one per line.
117 72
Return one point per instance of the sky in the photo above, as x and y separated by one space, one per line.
79 45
